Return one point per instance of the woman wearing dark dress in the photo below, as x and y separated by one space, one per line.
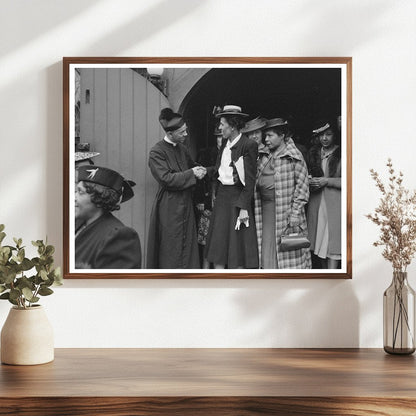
231 241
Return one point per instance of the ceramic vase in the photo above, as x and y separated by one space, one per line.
27 337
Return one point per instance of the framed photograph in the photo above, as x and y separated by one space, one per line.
207 167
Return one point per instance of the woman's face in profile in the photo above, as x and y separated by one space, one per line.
327 138
225 128
272 139
84 207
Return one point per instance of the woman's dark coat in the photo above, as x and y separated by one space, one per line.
107 243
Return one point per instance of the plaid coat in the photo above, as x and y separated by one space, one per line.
291 196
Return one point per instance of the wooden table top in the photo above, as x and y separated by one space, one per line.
214 373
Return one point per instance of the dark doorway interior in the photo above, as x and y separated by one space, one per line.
301 95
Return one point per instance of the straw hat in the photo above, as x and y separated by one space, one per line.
231 110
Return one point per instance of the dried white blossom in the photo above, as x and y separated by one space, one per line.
396 217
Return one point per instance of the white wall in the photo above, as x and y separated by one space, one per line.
380 35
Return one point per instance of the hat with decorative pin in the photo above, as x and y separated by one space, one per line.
107 177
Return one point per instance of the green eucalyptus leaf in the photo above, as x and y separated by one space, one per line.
5 250
3 271
15 294
5 295
43 275
21 255
49 250
2 227
8 277
27 293
37 280
18 242
26 264
35 261
24 282
46 260
2 288
2 236
45 291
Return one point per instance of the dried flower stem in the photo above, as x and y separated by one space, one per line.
396 216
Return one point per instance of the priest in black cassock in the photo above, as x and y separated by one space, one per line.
172 232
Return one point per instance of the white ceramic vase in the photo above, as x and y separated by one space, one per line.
27 337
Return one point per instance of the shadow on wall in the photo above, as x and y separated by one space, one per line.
45 16
320 19
300 313
158 17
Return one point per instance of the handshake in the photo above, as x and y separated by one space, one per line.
199 172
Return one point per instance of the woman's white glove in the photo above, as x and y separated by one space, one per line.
242 219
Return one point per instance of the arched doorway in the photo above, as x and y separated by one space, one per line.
299 94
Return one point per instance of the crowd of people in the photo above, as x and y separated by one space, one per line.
228 209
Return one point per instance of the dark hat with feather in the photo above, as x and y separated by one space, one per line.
107 177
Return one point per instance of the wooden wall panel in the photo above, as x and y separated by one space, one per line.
98 94
87 110
126 154
122 123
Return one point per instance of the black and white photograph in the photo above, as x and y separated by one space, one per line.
207 168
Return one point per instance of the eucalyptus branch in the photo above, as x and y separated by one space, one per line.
16 284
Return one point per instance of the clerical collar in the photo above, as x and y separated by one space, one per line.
166 139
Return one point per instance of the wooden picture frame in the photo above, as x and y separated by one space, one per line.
111 106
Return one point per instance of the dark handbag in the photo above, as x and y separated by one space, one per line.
294 241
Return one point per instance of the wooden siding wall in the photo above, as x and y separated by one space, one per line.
121 122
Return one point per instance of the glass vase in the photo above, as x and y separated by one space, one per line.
399 316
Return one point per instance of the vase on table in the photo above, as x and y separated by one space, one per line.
399 316
27 337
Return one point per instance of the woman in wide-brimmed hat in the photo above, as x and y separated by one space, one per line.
253 129
231 240
324 209
282 191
